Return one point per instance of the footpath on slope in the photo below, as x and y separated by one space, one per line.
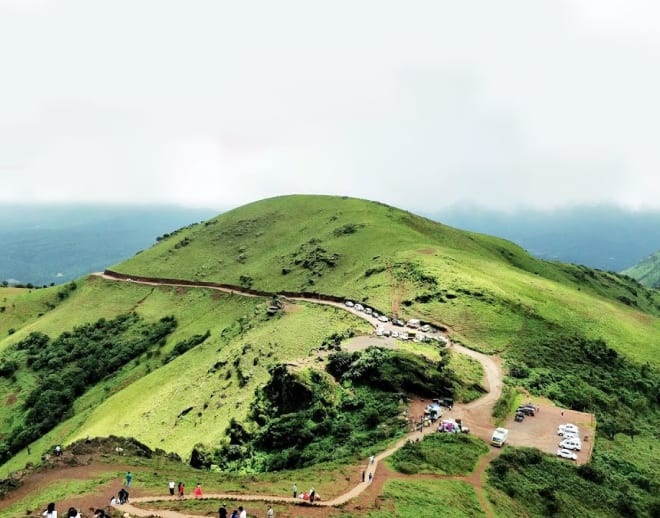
476 413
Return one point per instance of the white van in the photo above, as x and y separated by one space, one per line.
571 443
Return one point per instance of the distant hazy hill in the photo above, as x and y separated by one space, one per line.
647 272
602 237
44 244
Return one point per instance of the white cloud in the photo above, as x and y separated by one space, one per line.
419 104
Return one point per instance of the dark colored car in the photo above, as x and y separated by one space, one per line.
527 410
519 417
398 322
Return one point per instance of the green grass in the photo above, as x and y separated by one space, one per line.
506 405
484 288
550 486
412 499
145 398
440 454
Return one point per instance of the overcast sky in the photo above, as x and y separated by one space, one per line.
418 104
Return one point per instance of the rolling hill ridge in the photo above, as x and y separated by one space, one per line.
200 372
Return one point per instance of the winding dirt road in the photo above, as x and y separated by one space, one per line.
476 414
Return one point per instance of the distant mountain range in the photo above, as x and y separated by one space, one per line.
604 237
647 271
46 244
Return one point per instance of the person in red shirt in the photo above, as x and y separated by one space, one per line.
198 491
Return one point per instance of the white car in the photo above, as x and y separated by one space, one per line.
395 334
426 328
349 304
571 444
359 307
564 429
566 454
368 311
383 318
379 331
403 336
375 315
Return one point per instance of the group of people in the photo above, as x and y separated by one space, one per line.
51 512
241 512
181 489
121 498
309 496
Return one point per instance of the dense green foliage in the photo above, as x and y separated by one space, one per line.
588 375
68 366
505 403
304 417
393 372
553 487
440 453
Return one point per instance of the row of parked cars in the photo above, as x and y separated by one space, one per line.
570 441
418 329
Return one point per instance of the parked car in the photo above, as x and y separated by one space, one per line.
566 454
397 322
349 304
395 334
368 311
403 336
519 417
386 332
383 318
527 410
563 429
359 307
375 315
571 444
426 328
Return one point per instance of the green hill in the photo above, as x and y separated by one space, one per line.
647 272
486 290
218 380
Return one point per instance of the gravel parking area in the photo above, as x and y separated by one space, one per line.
540 431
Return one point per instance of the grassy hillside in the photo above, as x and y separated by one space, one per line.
483 288
148 398
647 272
207 374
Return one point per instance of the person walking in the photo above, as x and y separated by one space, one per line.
50 511
295 490
269 513
129 478
171 486
222 512
363 475
312 493
243 512
371 476
234 514
182 488
198 491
